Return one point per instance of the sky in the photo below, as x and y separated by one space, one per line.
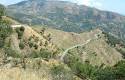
108 5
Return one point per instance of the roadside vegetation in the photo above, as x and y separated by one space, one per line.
5 29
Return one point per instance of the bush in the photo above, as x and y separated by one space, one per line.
43 54
21 45
5 31
11 53
2 10
34 54
22 28
120 70
1 43
36 46
103 74
30 44
59 72
20 32
57 69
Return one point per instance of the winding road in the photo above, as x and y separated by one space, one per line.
66 51
89 40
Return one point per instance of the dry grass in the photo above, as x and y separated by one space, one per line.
68 39
32 72
20 74
98 52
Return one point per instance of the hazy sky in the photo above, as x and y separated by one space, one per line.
110 5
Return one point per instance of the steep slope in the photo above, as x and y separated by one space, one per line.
67 16
67 39
88 46
29 55
96 52
25 41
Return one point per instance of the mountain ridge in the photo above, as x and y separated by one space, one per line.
67 16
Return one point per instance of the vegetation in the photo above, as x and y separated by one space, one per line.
21 45
87 71
20 32
5 29
59 72
11 53
30 44
57 69
113 41
122 51
42 54
2 11
35 46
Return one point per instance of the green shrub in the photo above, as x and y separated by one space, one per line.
59 72
36 46
12 53
30 38
45 54
5 31
21 45
57 69
42 54
103 74
1 43
120 70
30 44
22 28
2 10
34 54
20 32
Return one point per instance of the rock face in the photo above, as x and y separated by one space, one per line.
67 16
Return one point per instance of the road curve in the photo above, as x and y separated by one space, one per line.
89 40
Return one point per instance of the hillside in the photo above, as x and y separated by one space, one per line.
67 16
30 55
85 45
26 59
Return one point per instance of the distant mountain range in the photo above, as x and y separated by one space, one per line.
67 16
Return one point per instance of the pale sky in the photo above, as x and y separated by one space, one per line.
109 5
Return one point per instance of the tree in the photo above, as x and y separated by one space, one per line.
5 31
2 11
21 45
120 70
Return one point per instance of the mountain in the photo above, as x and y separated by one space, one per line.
67 16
